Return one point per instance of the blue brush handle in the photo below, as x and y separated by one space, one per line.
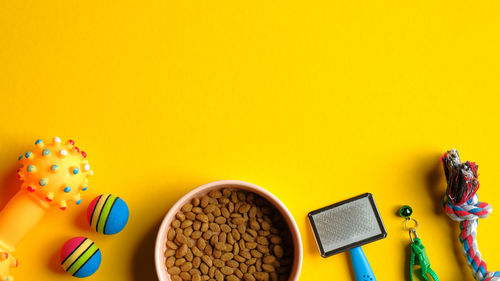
360 265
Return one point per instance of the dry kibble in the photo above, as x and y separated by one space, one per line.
263 249
188 231
202 217
215 194
261 276
275 239
197 252
204 268
246 254
252 232
171 234
227 256
172 245
217 254
174 270
191 216
269 259
196 234
204 201
251 245
228 236
232 263
209 209
186 266
180 261
262 240
219 276
182 251
185 275
208 260
252 269
248 277
170 262
176 223
226 228
255 253
268 267
278 251
214 227
238 220
220 220
189 255
226 270
186 223
196 262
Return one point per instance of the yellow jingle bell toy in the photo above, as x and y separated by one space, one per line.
53 176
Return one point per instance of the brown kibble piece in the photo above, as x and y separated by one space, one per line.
278 251
261 276
185 276
219 276
204 268
186 223
226 228
176 278
227 256
267 267
174 270
196 277
182 251
275 239
215 194
262 240
227 270
170 262
269 259
202 217
186 266
248 277
232 278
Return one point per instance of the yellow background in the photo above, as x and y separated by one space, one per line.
316 101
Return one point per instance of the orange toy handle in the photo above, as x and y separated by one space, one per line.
18 217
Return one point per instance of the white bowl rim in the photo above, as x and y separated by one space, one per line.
159 254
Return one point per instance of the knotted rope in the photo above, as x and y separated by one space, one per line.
461 204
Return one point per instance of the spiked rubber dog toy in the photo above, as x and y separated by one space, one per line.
53 175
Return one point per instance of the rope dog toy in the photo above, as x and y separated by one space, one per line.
53 175
461 204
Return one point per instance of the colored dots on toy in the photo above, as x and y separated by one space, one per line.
107 214
80 257
30 168
52 167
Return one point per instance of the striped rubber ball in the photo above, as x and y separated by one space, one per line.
80 257
107 214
